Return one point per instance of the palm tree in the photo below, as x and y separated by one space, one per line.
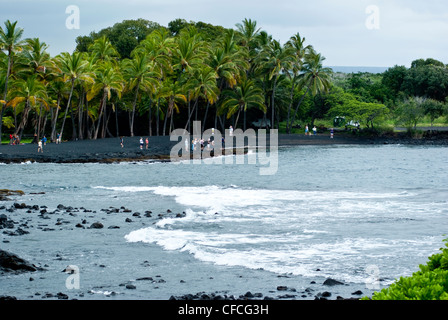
246 95
202 84
108 79
139 74
10 41
189 52
103 50
159 46
315 78
172 92
275 59
73 67
297 45
27 93
37 61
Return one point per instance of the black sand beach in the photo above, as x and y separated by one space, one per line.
109 150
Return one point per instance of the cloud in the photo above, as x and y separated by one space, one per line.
408 29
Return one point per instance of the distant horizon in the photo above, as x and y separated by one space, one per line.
354 69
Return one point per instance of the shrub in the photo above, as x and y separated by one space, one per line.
429 283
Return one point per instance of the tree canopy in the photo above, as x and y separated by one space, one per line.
140 78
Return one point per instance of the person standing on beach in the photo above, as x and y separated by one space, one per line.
306 130
39 147
57 138
147 142
331 133
314 130
44 140
141 143
231 131
121 142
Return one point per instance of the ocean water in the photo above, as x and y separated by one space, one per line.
364 215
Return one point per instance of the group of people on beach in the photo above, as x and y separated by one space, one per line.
195 143
143 142
14 139
307 132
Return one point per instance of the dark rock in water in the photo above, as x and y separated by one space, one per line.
113 227
7 298
61 295
10 262
128 220
331 282
96 225
130 286
357 293
19 205
282 288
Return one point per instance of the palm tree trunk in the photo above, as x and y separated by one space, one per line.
133 108
55 120
39 121
150 116
26 111
103 102
80 118
8 72
68 105
298 105
273 103
205 117
74 136
157 117
189 116
237 117
166 118
288 128
89 135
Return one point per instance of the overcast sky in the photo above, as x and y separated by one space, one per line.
346 32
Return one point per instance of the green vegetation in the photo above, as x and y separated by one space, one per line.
429 283
140 78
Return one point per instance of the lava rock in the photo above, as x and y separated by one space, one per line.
10 262
96 225
331 282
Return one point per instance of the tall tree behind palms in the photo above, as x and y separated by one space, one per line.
10 40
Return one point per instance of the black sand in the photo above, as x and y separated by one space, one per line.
110 150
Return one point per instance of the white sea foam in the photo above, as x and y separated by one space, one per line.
282 231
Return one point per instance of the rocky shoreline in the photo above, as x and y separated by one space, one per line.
18 219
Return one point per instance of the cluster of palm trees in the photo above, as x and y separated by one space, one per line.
169 80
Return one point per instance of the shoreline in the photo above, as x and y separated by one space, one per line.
108 150
38 276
